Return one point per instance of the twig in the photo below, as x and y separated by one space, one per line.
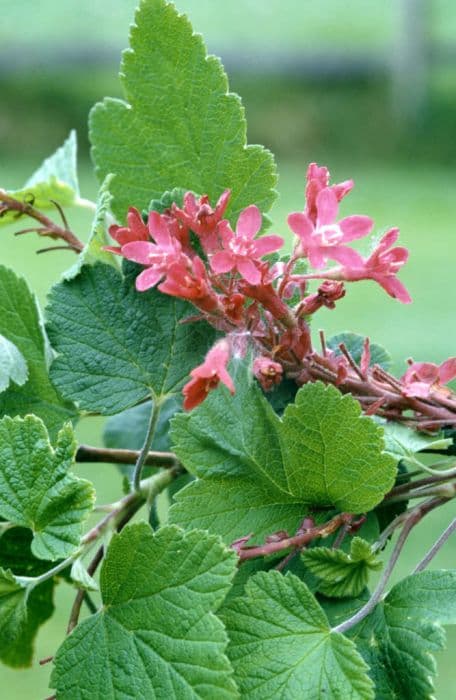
87 453
436 547
297 541
49 226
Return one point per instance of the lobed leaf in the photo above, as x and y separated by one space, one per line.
179 125
281 645
36 490
118 346
21 324
156 635
258 473
56 179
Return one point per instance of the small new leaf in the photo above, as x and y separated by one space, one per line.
179 127
118 346
56 179
20 324
402 442
281 645
36 490
81 576
156 635
341 574
13 367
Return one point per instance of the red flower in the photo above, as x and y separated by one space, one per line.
382 266
187 279
200 218
267 372
317 180
207 376
323 238
422 378
242 251
157 257
135 231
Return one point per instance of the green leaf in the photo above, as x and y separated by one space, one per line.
36 490
398 639
93 250
342 574
20 323
258 474
354 343
281 645
156 634
13 367
118 346
56 179
21 614
180 127
232 443
334 455
402 442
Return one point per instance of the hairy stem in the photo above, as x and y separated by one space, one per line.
156 406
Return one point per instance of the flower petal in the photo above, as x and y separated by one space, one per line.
248 270
148 278
222 262
355 227
139 251
448 370
249 222
327 207
267 244
301 225
346 256
393 287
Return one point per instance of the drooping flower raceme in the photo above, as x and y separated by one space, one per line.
241 250
325 238
208 375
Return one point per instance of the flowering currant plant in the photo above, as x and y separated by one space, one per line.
273 473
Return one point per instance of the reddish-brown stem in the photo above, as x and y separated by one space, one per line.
50 228
297 541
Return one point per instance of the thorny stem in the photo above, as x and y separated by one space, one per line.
50 228
413 518
436 547
136 481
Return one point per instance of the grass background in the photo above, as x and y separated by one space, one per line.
404 177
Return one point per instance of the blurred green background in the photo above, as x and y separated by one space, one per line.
367 88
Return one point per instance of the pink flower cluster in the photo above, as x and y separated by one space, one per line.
241 292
